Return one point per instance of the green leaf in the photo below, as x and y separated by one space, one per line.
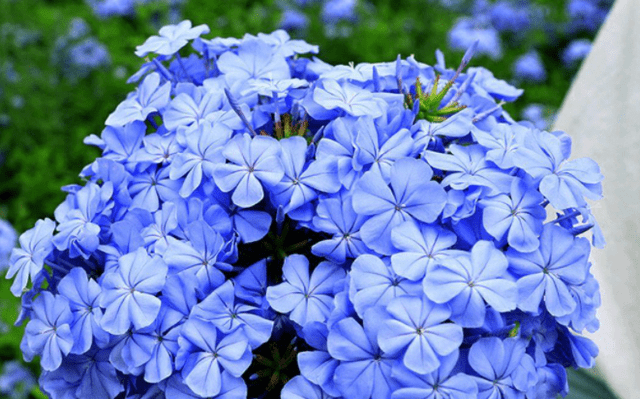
585 384
37 393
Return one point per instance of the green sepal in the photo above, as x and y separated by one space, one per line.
429 108
515 330
285 128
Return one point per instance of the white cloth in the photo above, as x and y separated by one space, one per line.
602 114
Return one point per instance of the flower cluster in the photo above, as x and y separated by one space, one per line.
109 8
262 223
517 19
16 381
529 67
77 53
576 51
332 12
538 114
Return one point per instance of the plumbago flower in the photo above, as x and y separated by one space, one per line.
262 224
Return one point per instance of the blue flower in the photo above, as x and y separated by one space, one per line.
585 15
150 97
374 283
293 20
107 8
28 260
464 34
424 132
338 145
88 54
203 154
506 17
253 162
302 181
121 143
128 293
421 246
319 368
149 189
305 298
345 97
202 254
564 183
415 330
83 294
232 388
335 10
486 85
190 110
301 388
80 217
559 263
84 376
282 43
172 38
468 166
228 315
156 233
158 149
411 196
78 28
251 225
8 240
588 300
374 148
502 367
274 88
467 282
205 354
529 67
520 216
336 216
502 142
575 52
537 115
552 381
16 380
251 284
445 382
364 371
48 334
156 346
254 59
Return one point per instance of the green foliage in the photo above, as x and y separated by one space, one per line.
586 385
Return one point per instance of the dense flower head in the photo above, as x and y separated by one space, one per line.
261 223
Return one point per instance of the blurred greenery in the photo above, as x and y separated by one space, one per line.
44 115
